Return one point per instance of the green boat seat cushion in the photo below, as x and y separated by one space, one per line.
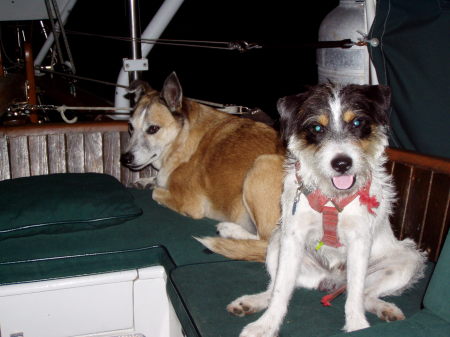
206 289
158 237
437 298
61 203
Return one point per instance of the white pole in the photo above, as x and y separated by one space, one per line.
51 38
154 30
370 15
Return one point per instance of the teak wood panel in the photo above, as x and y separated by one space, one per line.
93 152
19 157
75 152
56 145
422 208
23 156
37 146
4 159
111 153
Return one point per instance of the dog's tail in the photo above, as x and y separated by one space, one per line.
249 250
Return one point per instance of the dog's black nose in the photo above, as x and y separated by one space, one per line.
341 164
126 158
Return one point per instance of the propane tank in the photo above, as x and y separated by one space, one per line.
340 65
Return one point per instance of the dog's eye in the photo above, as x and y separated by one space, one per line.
317 128
357 122
152 129
130 128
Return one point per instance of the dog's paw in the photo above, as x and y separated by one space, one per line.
248 304
231 230
240 307
259 329
145 183
386 311
390 312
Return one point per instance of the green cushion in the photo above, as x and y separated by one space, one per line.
62 203
206 289
437 298
422 324
133 244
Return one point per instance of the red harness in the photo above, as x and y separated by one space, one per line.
330 217
330 214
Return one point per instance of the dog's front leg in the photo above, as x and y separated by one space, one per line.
163 197
359 243
186 205
145 183
290 255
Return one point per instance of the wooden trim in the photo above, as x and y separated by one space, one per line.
59 128
415 159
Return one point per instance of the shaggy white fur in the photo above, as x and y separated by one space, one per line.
330 142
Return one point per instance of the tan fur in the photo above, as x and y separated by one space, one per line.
209 164
252 250
323 119
218 166
348 116
370 144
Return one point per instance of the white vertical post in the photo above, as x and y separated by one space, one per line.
153 31
370 15
134 28
51 38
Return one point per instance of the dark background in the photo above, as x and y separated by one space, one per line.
256 78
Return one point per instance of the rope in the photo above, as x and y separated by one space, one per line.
234 45
227 108
31 107
63 108
80 77
241 46
231 109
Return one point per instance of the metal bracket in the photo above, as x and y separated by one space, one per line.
135 64
364 40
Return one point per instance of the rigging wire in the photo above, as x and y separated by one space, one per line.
233 45
223 45
78 77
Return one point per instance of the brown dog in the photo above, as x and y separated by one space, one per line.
210 164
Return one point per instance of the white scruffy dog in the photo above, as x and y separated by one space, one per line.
335 232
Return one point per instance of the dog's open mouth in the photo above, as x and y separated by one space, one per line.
343 182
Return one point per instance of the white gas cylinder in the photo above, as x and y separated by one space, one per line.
344 65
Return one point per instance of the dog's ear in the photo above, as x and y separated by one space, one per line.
172 93
138 88
380 95
289 108
374 99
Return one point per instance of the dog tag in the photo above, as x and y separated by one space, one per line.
296 200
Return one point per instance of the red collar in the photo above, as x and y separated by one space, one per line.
317 201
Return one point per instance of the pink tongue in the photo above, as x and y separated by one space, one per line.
343 182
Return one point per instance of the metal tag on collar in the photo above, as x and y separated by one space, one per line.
296 198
